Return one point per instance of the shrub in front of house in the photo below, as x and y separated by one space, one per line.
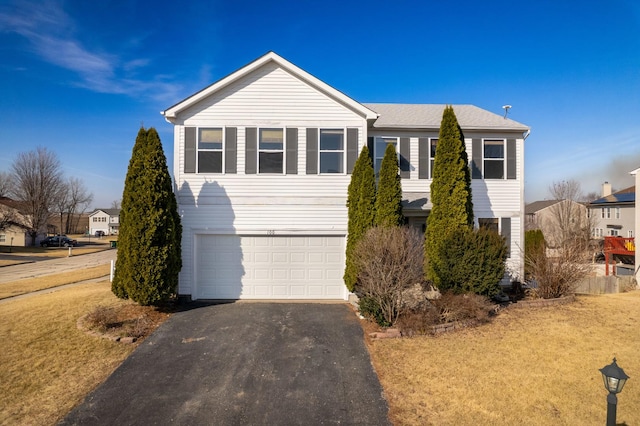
471 261
450 308
389 261
534 247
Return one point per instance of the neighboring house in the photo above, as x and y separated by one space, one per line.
636 176
262 162
614 213
550 216
105 220
13 230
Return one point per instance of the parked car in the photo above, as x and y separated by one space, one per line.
100 234
58 241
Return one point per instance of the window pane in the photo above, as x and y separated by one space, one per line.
331 140
493 169
271 136
210 162
434 142
493 149
210 139
331 162
488 223
270 162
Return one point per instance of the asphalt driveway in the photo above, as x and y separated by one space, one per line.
244 364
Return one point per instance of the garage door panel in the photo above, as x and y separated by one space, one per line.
279 267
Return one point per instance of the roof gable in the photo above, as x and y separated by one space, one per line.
172 112
108 212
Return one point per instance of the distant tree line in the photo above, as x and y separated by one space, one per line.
40 192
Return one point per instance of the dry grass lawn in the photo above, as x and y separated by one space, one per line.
48 365
536 366
29 285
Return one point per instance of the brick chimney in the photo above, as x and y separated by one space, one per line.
606 189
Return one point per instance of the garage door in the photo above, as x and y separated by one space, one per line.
270 267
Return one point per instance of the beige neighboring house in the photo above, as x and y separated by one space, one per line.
547 215
105 220
14 232
614 213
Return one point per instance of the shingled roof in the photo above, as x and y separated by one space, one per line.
624 196
429 116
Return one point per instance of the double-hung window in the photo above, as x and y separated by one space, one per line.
432 155
271 151
331 151
380 147
494 157
210 150
490 223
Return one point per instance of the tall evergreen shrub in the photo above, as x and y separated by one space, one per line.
149 241
471 261
389 194
361 210
450 194
534 248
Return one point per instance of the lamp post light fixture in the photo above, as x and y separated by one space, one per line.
614 380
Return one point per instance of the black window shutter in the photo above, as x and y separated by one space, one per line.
511 159
423 158
352 148
312 151
231 150
292 151
405 158
189 149
370 142
476 162
505 230
251 156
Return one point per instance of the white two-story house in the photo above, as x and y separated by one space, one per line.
106 221
262 162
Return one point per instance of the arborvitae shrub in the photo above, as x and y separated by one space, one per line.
534 247
450 195
389 193
149 241
360 210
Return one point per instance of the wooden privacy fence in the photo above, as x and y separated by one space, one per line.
605 285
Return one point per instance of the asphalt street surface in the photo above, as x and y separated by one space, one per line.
244 364
54 266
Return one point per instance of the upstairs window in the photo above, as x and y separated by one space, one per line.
494 157
379 148
210 150
331 150
271 151
432 155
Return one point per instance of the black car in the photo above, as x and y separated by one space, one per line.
58 241
100 233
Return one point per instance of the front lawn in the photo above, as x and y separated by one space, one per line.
48 365
535 366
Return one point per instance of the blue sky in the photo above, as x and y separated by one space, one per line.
81 77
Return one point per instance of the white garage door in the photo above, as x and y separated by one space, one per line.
270 267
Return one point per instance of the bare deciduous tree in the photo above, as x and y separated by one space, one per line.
389 261
558 271
115 204
38 180
6 184
569 217
79 200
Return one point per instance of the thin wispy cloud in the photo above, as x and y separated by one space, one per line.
51 34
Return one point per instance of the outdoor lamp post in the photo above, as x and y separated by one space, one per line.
614 380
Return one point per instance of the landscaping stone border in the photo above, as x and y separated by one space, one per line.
543 302
82 327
